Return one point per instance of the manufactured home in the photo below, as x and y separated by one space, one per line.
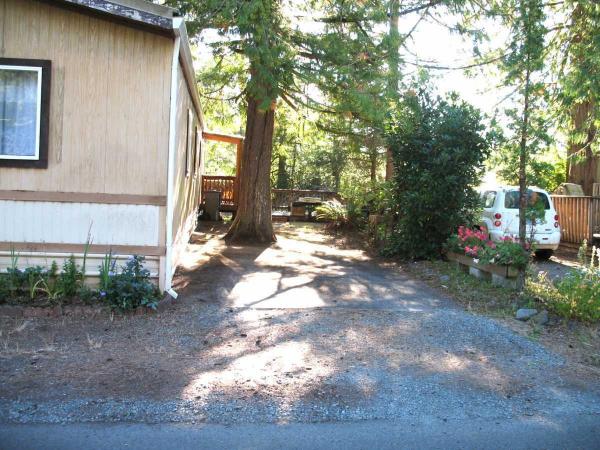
100 133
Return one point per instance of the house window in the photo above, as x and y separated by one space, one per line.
24 109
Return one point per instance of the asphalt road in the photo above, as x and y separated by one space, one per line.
573 432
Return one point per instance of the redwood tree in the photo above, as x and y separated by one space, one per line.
333 46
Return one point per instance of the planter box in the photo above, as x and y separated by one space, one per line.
500 275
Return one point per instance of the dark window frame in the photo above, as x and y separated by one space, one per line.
42 161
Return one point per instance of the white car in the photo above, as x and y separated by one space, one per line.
501 217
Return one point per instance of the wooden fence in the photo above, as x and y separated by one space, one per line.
282 198
579 217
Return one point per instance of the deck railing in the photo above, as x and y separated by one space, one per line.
282 198
224 184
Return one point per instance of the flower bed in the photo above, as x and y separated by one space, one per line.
122 289
474 251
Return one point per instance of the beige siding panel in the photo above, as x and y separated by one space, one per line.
109 119
187 189
69 223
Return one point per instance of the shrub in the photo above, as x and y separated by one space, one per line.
439 149
509 252
132 287
70 279
333 211
580 289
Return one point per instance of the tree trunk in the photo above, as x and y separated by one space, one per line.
252 223
582 164
282 175
373 161
523 173
394 77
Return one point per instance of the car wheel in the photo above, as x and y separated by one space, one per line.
544 254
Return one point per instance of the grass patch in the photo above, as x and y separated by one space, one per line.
473 293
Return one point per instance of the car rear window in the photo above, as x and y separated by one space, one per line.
511 199
488 198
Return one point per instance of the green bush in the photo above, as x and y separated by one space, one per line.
132 287
334 212
439 148
577 294
123 291
70 279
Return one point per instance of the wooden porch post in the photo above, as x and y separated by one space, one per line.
238 170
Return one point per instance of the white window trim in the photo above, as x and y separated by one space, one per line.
38 118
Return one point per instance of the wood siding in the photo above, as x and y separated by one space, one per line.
187 188
109 103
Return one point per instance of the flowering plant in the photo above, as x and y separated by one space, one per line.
471 242
476 243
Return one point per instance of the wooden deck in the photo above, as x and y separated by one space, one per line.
226 186
281 198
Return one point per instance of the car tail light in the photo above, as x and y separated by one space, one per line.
497 216
497 223
556 218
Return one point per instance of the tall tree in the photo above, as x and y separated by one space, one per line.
281 57
522 64
576 57
322 54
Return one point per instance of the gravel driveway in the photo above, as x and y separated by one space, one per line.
302 331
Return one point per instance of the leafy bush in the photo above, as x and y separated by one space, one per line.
439 148
506 253
132 287
70 279
124 291
333 211
580 289
577 294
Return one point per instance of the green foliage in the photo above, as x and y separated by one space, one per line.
506 253
107 270
577 294
123 291
70 279
545 169
574 59
33 275
5 291
439 148
334 212
580 288
131 288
